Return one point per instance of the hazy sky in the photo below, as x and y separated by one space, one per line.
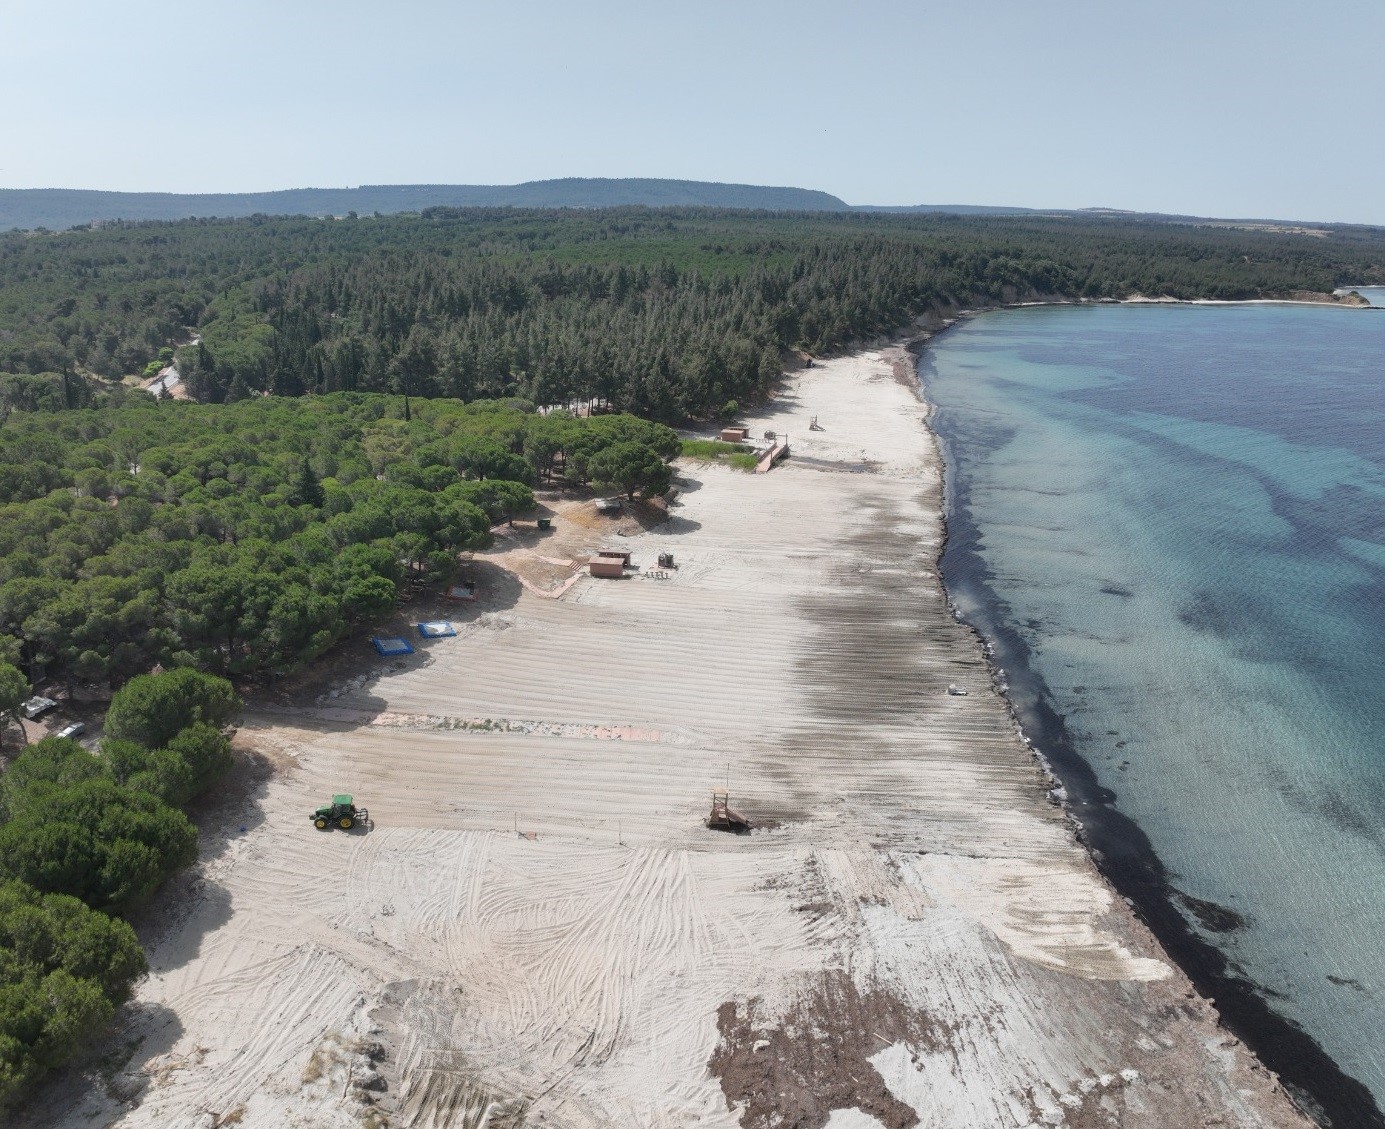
1218 107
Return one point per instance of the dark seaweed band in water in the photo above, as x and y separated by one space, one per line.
1122 850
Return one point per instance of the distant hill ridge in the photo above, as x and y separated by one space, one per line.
60 208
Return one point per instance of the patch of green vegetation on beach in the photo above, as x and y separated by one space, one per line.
709 448
714 450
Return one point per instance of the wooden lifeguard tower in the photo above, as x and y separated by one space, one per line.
723 818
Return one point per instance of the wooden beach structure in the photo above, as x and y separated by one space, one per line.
609 568
722 817
778 450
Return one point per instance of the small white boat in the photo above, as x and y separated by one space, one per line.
957 691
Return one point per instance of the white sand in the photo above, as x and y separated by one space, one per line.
574 979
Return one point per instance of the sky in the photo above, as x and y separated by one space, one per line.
1219 107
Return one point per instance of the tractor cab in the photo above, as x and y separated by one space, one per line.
341 812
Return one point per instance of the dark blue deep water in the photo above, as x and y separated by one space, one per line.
1173 519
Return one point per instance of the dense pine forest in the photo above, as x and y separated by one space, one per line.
247 538
666 313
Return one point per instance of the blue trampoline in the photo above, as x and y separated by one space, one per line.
389 645
437 629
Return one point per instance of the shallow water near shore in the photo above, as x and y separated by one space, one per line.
1172 521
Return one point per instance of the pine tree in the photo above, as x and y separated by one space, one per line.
309 488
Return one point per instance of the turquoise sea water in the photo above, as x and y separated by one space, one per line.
1176 517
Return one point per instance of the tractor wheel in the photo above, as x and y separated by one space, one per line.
347 822
320 823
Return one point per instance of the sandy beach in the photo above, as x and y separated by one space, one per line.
539 930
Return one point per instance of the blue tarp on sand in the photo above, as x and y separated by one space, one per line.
437 629
391 645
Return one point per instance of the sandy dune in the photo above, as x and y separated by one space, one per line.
910 936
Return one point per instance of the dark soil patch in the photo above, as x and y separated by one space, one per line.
791 1071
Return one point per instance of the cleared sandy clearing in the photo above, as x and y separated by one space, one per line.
912 936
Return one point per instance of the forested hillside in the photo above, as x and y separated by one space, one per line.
247 538
664 313
61 208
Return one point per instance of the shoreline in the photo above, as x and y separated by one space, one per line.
1326 300
540 928
1117 845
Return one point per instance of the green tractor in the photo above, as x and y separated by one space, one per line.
341 812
